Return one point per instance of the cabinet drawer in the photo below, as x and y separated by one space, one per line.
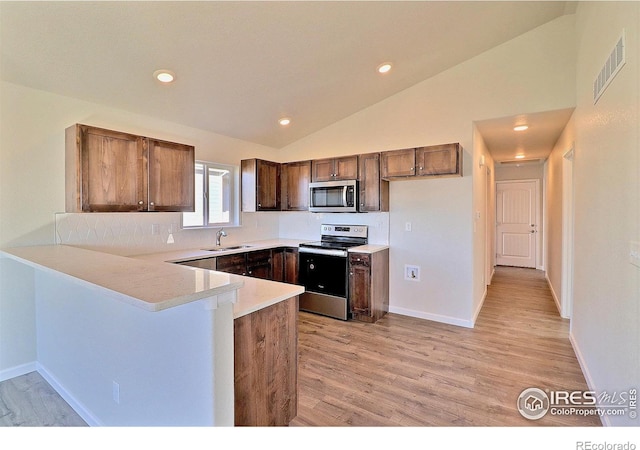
360 259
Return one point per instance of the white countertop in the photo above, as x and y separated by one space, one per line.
154 283
149 285
256 293
191 254
369 248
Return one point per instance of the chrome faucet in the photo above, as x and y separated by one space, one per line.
219 234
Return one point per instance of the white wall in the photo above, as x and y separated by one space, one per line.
534 72
553 213
605 327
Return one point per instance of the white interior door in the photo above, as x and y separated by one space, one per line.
516 223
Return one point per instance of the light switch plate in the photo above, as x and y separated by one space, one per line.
634 253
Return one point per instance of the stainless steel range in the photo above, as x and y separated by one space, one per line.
323 270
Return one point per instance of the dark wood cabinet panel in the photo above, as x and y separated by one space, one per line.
171 176
398 163
439 160
105 170
259 264
374 192
260 182
291 265
236 263
277 264
112 171
330 169
266 365
295 185
369 285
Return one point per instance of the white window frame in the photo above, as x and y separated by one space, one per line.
234 197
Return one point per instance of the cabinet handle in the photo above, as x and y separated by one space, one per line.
259 204
151 203
141 202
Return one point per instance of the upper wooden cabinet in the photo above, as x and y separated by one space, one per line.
171 176
439 160
434 160
374 192
295 185
344 168
398 163
260 185
112 171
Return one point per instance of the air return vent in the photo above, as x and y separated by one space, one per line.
610 69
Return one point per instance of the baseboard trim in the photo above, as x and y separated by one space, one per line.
585 371
553 294
17 371
434 317
77 406
476 313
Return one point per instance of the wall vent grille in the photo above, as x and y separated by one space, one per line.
612 66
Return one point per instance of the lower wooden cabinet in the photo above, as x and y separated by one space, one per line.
266 365
369 285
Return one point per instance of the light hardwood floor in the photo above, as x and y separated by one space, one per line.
29 400
403 371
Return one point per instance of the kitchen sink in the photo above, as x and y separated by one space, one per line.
224 249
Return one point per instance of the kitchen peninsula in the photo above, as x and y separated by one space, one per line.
129 342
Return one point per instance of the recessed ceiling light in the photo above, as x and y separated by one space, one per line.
165 76
519 156
284 121
384 68
520 127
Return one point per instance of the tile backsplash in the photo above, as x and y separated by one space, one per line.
139 233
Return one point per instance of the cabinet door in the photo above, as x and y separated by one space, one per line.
439 160
360 283
268 186
295 185
374 192
112 172
277 264
236 264
291 265
398 163
259 264
322 170
345 168
171 176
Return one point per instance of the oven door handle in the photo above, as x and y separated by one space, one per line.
323 251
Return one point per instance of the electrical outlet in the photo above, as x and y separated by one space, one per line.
116 392
412 273
407 226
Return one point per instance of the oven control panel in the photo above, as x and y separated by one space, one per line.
359 231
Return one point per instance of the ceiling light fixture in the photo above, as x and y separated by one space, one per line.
384 68
520 127
164 76
284 121
519 156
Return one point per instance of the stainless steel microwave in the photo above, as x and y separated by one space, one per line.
333 196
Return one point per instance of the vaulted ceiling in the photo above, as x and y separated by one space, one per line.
240 66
